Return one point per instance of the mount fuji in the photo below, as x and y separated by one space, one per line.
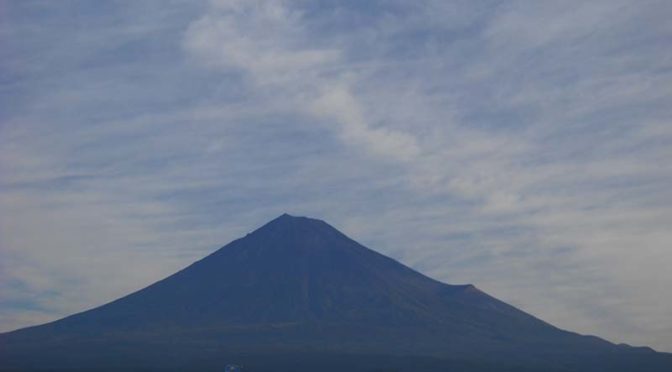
298 295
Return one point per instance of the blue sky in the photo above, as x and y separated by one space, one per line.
523 146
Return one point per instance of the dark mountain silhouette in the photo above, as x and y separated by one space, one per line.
298 295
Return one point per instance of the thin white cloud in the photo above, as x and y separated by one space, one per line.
267 41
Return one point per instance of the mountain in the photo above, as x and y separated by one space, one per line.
298 295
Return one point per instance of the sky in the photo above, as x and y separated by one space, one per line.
521 146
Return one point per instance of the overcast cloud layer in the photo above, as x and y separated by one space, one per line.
523 146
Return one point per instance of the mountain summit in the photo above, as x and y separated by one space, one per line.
298 295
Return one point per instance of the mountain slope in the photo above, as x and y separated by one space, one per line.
298 291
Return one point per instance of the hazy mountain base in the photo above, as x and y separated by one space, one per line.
299 363
144 358
288 351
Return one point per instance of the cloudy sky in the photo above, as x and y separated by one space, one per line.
522 146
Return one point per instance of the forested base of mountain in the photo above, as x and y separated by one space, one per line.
148 360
